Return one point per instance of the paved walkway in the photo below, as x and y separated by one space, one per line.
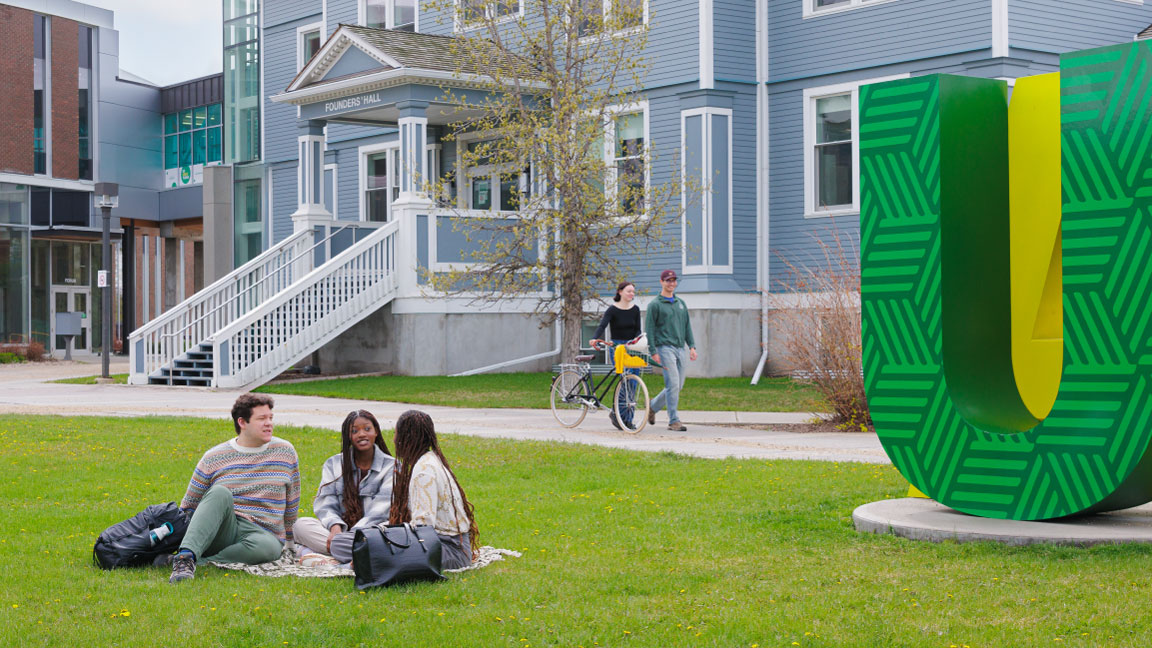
25 389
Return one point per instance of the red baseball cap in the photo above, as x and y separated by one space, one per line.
667 274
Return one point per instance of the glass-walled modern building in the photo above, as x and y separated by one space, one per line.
242 124
192 139
14 254
242 80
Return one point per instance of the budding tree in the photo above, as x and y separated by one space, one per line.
550 142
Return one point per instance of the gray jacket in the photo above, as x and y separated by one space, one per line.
375 492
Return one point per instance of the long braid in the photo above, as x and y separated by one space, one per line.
416 435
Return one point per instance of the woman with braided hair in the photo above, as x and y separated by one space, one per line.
427 492
355 492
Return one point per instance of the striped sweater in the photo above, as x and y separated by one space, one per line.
265 483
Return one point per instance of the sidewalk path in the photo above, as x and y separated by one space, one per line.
24 390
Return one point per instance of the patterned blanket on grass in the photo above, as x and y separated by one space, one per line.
286 565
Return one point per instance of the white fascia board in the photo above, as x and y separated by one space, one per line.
384 79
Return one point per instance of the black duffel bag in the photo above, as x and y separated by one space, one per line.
390 554
128 543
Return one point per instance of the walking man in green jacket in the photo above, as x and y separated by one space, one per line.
669 331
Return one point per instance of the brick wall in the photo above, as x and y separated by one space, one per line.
65 99
16 99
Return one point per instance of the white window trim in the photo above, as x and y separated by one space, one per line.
460 26
810 10
706 199
335 169
610 114
300 32
362 154
435 265
810 97
464 175
607 8
390 14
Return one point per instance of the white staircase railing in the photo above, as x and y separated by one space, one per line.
258 346
159 342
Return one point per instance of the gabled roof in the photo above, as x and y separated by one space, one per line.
1147 33
391 49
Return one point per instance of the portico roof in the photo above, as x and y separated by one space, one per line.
362 69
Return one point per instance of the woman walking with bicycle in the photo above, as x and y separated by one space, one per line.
623 320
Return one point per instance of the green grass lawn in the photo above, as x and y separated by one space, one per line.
531 390
119 379
620 549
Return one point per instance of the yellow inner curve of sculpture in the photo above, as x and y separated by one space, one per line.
1034 230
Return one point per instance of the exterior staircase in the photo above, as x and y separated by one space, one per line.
272 312
193 369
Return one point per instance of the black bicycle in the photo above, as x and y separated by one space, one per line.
573 393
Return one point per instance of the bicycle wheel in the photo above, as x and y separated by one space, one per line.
570 398
630 402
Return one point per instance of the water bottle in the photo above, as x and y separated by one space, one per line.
160 532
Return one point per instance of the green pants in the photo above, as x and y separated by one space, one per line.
216 533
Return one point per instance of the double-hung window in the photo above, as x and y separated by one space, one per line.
625 156
492 186
832 149
471 13
628 161
820 7
308 42
389 14
612 16
380 181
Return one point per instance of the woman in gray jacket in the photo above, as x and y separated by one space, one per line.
355 492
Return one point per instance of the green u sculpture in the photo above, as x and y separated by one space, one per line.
1006 284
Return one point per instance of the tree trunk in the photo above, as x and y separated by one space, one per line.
571 326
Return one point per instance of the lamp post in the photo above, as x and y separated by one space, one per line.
107 198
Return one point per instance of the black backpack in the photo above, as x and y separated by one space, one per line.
127 543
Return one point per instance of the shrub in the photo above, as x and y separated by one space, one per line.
820 328
34 352
9 358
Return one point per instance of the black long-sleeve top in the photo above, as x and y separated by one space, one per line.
625 324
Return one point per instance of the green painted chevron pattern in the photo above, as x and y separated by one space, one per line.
1092 452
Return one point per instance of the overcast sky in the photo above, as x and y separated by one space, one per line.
168 41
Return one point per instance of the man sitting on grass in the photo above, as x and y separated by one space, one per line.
244 495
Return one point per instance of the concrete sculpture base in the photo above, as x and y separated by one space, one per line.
925 519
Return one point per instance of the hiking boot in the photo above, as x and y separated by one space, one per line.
615 421
651 417
676 426
183 568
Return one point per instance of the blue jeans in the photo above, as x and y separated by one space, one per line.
628 392
672 359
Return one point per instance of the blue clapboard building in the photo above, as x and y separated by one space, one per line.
331 108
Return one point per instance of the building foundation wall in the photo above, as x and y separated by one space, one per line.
432 344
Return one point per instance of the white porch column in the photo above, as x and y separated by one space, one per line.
413 200
310 208
413 140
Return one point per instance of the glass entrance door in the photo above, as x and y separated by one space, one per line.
73 299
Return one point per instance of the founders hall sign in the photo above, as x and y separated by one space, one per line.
368 100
